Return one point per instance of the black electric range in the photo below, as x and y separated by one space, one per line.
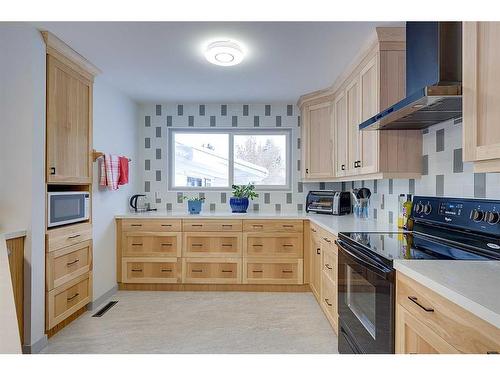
443 229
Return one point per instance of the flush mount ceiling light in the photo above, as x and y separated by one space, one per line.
224 52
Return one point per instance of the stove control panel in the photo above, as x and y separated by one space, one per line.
470 214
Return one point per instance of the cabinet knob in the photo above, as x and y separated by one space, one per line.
318 251
52 170
343 167
307 170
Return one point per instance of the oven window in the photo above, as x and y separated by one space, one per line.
66 207
360 298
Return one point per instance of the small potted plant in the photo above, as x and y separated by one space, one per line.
194 204
241 194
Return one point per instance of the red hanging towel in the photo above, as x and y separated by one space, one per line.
123 172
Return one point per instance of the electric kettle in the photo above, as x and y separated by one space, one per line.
138 203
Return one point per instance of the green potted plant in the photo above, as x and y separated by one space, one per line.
194 204
240 199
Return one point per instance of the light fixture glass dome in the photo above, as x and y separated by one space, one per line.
224 52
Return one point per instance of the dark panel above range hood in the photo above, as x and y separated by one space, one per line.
433 79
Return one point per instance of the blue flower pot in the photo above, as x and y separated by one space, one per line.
238 205
194 207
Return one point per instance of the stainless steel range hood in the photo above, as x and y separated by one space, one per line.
433 79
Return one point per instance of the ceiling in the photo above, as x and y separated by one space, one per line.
164 62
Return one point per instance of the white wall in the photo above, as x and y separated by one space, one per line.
22 158
115 132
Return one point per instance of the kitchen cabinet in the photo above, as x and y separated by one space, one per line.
315 259
373 82
328 301
317 135
15 249
481 112
427 322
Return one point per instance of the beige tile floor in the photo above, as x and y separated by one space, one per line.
201 322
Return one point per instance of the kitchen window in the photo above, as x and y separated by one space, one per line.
206 159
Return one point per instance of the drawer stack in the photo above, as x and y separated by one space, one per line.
151 251
328 299
211 251
68 271
272 252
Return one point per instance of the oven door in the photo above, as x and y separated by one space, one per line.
67 207
365 300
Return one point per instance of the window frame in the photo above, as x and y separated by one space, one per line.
231 133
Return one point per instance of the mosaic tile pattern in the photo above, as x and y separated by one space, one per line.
155 118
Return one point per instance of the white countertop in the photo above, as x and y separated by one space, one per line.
331 223
10 342
473 285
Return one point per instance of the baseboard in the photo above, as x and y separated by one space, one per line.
216 287
36 347
102 299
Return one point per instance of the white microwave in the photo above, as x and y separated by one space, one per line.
66 207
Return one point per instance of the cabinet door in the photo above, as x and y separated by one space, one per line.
353 121
316 266
414 337
369 102
319 161
481 79
69 102
340 123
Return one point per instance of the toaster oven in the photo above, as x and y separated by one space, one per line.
329 202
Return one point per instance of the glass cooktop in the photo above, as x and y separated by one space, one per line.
408 245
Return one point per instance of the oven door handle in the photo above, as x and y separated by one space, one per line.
362 260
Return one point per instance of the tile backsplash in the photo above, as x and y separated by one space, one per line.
444 173
157 118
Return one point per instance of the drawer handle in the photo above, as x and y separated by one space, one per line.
257 271
197 271
415 301
72 297
287 245
327 301
166 225
137 270
227 245
196 225
313 230
318 251
227 225
73 262
166 244
287 271
197 244
75 236
328 266
166 270
136 225
327 240
226 271
258 226
137 244
492 352
257 245
287 226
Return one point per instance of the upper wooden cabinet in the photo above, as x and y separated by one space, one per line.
69 114
481 78
317 135
374 81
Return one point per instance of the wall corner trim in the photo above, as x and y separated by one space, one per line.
36 347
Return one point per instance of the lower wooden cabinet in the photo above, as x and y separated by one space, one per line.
315 262
212 244
68 298
211 270
328 300
428 322
272 271
137 244
151 270
15 248
284 245
67 263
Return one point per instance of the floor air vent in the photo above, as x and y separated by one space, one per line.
105 309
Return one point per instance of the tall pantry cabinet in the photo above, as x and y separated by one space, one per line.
68 260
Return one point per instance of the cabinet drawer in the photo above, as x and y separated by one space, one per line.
460 328
153 244
151 225
329 300
328 241
66 236
210 225
68 298
272 271
285 245
67 263
211 270
329 264
273 226
148 270
210 244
